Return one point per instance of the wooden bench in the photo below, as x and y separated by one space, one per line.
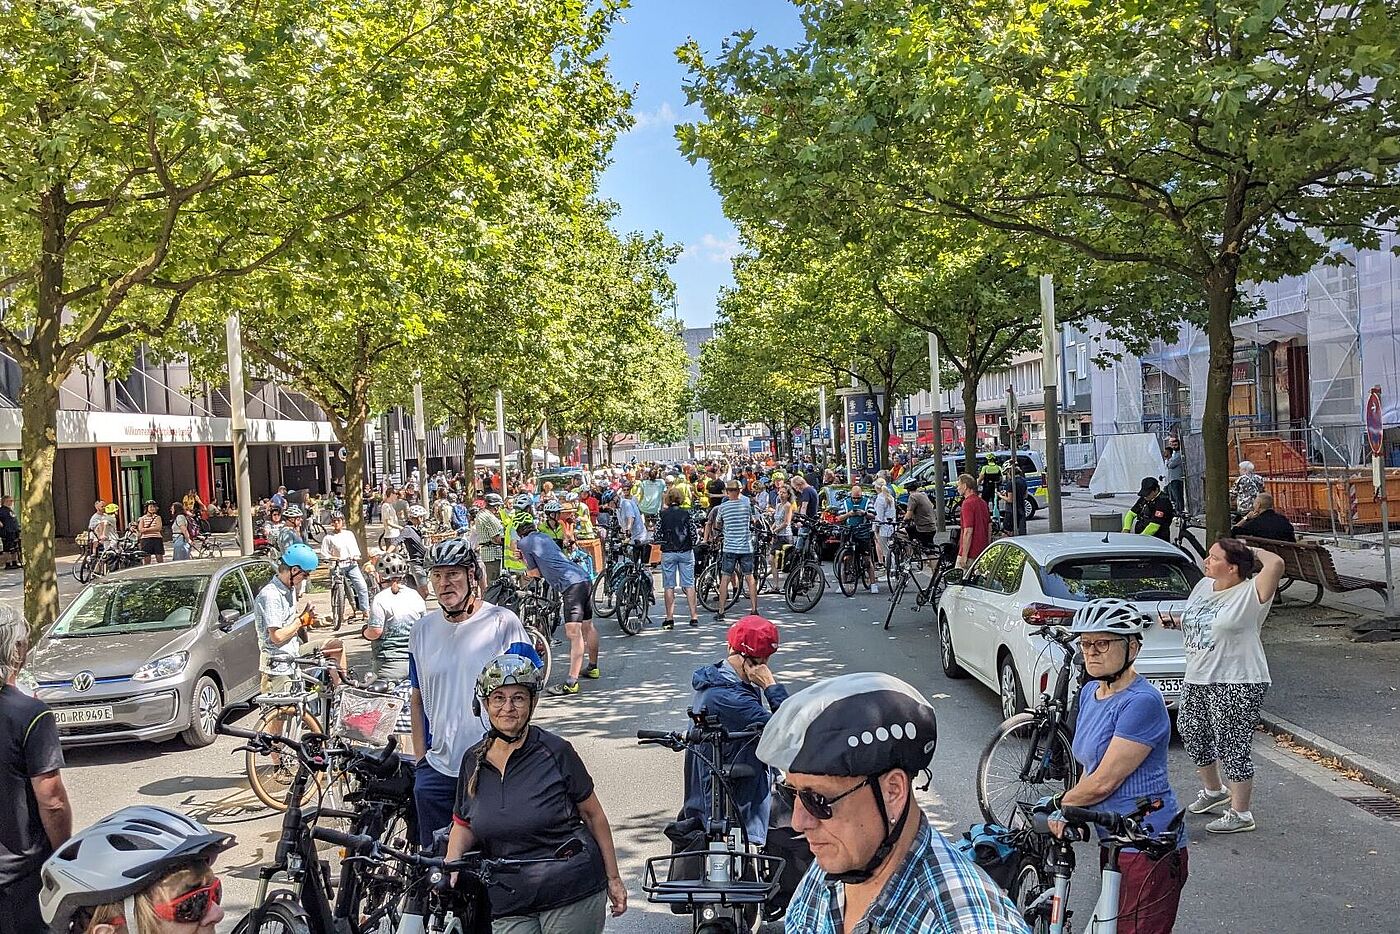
1312 563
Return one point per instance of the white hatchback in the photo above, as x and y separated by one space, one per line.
990 623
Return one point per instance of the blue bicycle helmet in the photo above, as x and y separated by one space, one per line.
301 557
608 497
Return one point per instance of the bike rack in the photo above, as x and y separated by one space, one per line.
700 891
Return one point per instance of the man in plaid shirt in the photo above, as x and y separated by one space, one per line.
849 748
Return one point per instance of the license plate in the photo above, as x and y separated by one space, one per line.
76 716
1170 687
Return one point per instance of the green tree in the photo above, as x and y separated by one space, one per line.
1211 143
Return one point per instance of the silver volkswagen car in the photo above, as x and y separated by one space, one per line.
152 652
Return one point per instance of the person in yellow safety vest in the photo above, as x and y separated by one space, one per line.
512 560
989 478
583 521
683 489
702 498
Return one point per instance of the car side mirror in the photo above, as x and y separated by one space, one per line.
227 619
954 576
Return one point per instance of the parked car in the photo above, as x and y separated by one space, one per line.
991 619
152 652
1030 463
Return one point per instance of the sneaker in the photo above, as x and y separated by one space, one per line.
719 617
1230 822
592 672
568 687
874 588
1207 801
694 621
668 624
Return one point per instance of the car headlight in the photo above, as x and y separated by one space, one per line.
162 667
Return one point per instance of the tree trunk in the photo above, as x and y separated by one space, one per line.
969 395
612 439
352 436
38 399
592 465
1221 288
469 457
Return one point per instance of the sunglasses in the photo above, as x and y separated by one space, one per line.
818 805
191 907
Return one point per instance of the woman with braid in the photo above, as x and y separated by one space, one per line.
523 793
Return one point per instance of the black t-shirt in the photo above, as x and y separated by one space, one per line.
28 748
1158 510
808 502
1268 524
674 531
528 814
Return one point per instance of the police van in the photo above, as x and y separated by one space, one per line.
1031 464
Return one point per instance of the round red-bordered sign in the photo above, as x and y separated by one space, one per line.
1374 429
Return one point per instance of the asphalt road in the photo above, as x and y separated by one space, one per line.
1317 863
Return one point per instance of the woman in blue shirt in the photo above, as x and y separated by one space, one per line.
1120 740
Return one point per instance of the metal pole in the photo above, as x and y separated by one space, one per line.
1013 420
935 388
1050 375
238 422
420 434
1378 477
821 403
501 438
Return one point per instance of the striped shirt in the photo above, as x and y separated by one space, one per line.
733 516
935 890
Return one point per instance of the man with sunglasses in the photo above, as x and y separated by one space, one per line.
849 749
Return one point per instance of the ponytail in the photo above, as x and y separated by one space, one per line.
480 761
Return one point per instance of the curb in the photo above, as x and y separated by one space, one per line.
1378 774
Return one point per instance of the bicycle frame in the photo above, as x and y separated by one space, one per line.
1051 714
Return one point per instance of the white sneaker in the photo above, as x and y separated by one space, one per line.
1230 822
874 588
1207 801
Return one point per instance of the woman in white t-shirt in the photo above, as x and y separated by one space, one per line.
1227 676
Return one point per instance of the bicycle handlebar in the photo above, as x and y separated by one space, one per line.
368 847
695 736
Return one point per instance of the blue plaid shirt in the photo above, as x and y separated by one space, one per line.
936 890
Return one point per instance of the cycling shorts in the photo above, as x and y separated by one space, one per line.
578 602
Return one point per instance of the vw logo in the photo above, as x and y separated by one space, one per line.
83 681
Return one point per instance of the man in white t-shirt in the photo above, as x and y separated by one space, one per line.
341 550
447 649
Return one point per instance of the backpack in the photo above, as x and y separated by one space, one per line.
461 517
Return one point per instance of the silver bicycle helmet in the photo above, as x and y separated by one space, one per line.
494 500
417 512
292 512
508 669
393 565
552 507
120 856
523 501
452 553
1110 615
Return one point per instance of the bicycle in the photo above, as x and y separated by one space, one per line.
604 594
909 558
1045 904
854 557
1029 755
632 592
723 881
540 610
806 579
1181 536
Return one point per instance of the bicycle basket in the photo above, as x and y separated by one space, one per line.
364 717
83 538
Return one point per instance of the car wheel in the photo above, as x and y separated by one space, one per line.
946 656
1013 699
206 703
1029 507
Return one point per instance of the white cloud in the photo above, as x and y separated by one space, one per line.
664 116
712 249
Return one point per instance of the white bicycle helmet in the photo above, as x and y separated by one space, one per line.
120 856
523 501
452 553
417 512
1110 615
292 512
392 565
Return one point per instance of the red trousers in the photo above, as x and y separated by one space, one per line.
1150 891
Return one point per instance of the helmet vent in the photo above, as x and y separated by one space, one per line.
129 844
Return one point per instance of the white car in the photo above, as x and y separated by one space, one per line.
990 622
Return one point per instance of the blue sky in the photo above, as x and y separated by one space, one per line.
656 187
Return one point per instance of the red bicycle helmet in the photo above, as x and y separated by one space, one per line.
754 637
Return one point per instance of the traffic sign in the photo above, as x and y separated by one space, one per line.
910 425
826 434
1375 432
860 426
797 434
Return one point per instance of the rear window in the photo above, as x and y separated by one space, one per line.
1137 578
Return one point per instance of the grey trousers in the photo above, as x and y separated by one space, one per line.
584 916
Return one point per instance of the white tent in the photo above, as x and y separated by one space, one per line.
1125 462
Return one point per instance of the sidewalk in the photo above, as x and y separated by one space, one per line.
1337 697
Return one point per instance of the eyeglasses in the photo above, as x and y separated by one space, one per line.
508 700
1097 646
818 805
191 907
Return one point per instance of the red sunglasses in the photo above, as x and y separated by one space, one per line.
191 907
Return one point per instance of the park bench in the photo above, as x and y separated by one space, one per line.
1312 563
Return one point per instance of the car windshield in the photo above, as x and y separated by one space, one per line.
129 606
1133 577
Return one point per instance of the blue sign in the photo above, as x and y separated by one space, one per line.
863 432
758 445
826 434
860 426
910 425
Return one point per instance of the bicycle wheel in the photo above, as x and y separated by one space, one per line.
270 776
82 569
848 569
278 915
1025 760
1028 884
337 604
804 587
604 600
631 611
895 596
541 643
707 588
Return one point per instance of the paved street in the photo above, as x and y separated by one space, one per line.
1317 862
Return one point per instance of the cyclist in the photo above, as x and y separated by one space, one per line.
447 649
1152 514
1014 493
675 534
143 870
102 526
736 690
411 535
632 525
857 513
989 479
1120 739
277 622
524 793
290 532
553 525
342 551
391 617
490 534
544 558
877 859
733 519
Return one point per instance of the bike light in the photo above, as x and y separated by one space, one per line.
163 667
1044 681
1045 614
